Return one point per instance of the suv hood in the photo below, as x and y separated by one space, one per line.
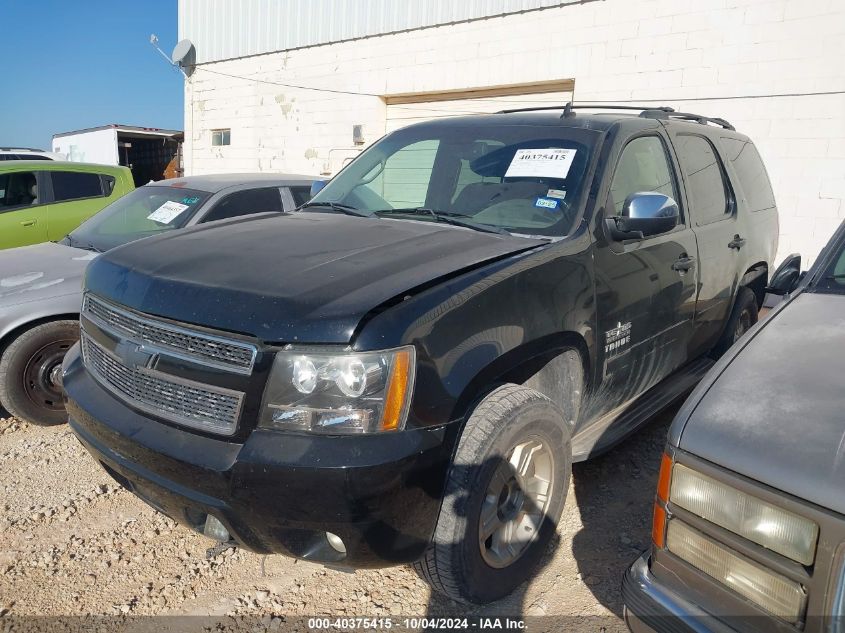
775 413
42 271
308 277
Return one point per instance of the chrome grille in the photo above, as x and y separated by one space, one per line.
202 348
181 401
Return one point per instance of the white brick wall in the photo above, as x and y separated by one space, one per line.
615 49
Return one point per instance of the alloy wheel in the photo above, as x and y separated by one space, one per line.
516 502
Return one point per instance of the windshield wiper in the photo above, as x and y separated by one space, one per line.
87 246
336 206
448 217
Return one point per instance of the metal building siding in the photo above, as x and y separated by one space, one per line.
226 29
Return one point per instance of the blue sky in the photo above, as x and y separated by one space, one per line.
83 63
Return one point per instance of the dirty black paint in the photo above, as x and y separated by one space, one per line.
480 309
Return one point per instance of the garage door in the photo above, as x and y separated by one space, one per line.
404 110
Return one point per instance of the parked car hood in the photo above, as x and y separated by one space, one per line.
308 277
775 412
42 271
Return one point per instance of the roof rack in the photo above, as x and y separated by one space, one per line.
20 149
657 113
569 107
646 112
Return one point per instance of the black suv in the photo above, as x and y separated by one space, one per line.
405 369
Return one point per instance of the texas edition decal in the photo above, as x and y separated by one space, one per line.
617 338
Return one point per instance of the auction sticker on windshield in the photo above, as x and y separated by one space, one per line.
553 162
167 212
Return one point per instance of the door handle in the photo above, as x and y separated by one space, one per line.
737 242
683 263
29 222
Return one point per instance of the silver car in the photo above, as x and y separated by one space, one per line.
40 286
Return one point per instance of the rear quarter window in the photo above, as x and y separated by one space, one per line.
749 168
108 184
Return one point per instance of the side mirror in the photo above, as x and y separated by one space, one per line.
786 277
644 213
317 186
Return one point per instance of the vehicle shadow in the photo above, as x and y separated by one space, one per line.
615 495
512 605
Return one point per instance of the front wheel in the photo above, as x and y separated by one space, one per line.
504 496
31 372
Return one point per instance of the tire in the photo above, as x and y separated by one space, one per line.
743 316
30 372
511 421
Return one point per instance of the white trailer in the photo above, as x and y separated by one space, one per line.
151 153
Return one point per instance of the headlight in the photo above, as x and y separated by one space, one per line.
339 392
778 595
767 525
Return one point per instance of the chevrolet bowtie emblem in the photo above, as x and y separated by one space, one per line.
134 356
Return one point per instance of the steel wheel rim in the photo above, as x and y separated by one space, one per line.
516 502
42 375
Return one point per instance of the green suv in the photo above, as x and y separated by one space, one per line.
43 201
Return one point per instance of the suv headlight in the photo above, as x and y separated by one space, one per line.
772 527
336 392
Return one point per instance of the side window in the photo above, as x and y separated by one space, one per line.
403 182
643 166
707 190
301 195
246 202
32 157
18 189
752 174
73 185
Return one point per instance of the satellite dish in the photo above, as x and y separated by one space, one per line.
184 54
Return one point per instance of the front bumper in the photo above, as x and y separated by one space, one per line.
274 493
651 607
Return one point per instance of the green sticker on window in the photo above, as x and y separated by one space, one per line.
192 200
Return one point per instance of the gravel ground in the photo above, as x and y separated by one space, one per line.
73 542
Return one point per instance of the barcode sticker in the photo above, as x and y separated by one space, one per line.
167 212
541 163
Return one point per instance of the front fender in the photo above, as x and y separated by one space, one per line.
14 317
475 329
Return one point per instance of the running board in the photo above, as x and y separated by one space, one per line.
618 424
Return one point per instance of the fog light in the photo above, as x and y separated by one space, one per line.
771 591
215 530
336 542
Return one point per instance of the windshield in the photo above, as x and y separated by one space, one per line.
521 178
146 211
832 279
